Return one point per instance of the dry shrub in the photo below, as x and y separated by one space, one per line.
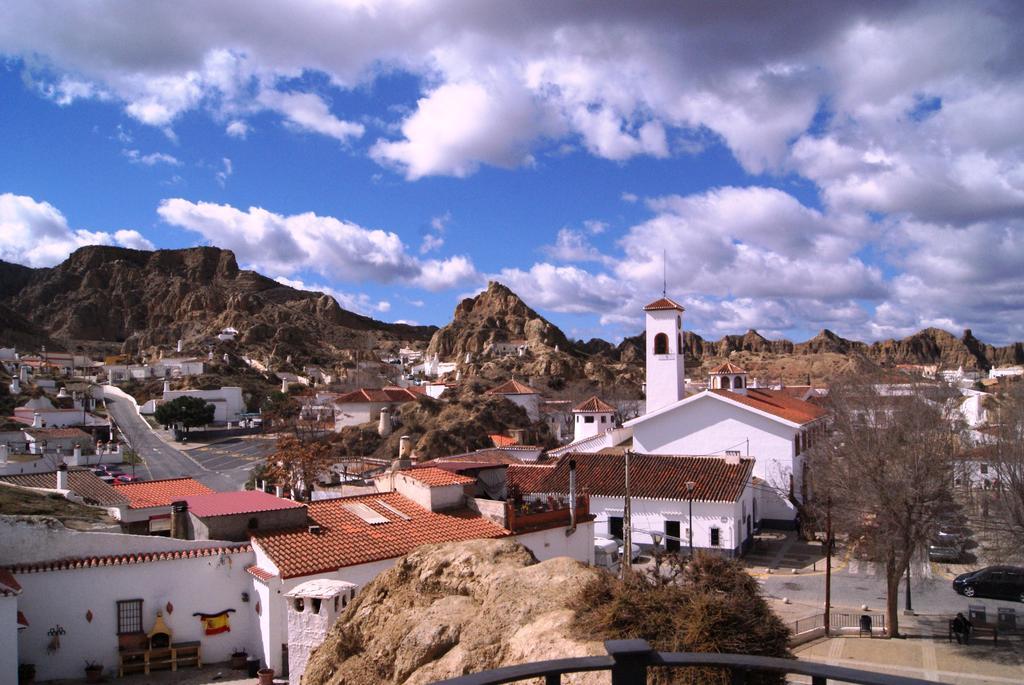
709 605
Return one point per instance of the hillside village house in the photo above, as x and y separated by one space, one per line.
40 412
520 394
664 490
149 503
228 402
364 405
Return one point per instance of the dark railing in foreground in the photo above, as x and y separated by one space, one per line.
628 661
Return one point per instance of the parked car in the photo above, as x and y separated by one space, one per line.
946 547
996 582
114 473
126 479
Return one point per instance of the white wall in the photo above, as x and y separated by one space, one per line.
206 584
356 413
531 403
551 543
599 423
710 426
665 373
227 401
8 639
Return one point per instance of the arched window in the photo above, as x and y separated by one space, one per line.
725 383
739 382
661 344
680 341
679 323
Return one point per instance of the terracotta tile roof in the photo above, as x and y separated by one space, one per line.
347 540
125 559
513 387
727 367
799 392
778 403
529 477
48 433
367 395
160 493
503 440
244 502
494 457
82 482
653 476
435 477
261 573
594 405
663 303
8 584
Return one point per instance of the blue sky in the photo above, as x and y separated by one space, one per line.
849 168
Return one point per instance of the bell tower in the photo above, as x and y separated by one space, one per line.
666 377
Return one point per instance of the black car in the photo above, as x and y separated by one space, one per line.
997 582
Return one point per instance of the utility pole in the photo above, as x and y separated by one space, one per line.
828 564
627 524
908 605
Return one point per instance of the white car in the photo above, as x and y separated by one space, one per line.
622 547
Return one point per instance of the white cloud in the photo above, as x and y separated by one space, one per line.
152 159
286 245
309 112
360 303
227 168
573 246
237 129
37 234
430 243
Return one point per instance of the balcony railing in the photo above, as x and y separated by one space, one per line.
628 661
537 511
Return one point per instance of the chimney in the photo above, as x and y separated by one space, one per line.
279 491
384 424
78 453
405 447
3 453
179 520
180 344
63 392
62 476
732 457
284 387
167 387
37 420
15 386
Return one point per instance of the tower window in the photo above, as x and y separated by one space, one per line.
588 419
725 383
739 382
661 344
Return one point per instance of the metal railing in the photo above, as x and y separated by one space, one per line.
629 660
838 619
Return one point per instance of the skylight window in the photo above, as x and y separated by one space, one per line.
393 510
367 514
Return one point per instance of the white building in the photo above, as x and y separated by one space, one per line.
364 405
591 417
313 607
723 497
228 404
1006 372
728 418
520 394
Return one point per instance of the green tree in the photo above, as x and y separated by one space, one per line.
189 412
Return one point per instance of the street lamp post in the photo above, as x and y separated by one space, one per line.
690 485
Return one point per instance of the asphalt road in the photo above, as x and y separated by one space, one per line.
161 460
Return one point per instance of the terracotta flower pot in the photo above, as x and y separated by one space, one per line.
94 674
266 676
238 661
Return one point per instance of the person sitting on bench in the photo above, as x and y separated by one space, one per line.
961 628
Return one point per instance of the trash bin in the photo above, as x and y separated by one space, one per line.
976 613
253 666
1007 619
865 624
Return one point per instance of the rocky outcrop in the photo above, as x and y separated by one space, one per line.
448 610
116 299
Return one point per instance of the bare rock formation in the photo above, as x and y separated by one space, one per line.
448 610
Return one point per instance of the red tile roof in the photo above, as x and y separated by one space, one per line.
652 476
727 367
160 493
778 403
125 559
347 540
244 502
663 303
49 433
367 395
82 482
503 440
261 573
493 457
594 405
8 584
434 477
513 387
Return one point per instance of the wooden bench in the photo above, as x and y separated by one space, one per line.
978 630
146 660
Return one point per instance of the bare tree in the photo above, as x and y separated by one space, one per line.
886 468
298 464
1007 455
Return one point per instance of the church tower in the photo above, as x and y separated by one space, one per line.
666 377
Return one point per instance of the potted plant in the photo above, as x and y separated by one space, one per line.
93 672
266 676
238 658
26 674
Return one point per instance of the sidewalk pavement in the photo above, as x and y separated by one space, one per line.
926 653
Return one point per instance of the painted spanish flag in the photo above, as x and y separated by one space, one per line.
214 624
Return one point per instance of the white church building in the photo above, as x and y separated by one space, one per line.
728 419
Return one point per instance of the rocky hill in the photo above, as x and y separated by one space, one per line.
447 610
111 299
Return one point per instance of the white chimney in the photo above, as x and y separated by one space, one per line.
37 420
732 457
78 453
63 392
284 387
279 491
15 386
384 424
23 373
167 387
3 453
405 447
62 476
180 344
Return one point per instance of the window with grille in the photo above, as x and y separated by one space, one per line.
129 616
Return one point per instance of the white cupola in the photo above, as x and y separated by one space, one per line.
592 417
666 377
728 376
